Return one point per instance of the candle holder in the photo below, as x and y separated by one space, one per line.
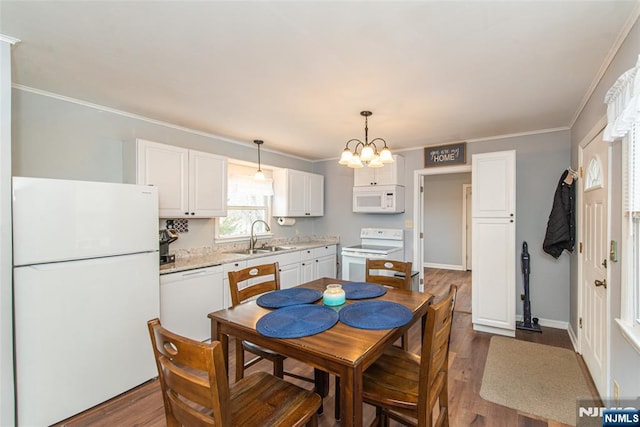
334 295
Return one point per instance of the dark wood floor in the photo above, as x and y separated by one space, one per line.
143 405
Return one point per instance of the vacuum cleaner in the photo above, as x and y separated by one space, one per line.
527 323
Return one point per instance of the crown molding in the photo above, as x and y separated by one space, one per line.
148 119
624 32
9 39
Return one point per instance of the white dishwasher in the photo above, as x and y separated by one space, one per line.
187 297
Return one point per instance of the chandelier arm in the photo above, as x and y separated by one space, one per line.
355 149
379 139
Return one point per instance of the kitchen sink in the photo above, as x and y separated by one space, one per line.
262 250
275 248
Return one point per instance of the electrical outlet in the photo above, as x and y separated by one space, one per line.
616 392
408 223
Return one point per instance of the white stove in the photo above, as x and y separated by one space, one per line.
375 243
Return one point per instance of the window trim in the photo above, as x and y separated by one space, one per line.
628 322
246 237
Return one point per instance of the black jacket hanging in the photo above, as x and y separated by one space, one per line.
561 232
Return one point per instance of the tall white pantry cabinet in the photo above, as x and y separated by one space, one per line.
493 181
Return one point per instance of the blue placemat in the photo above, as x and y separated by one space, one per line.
375 315
287 297
297 321
362 290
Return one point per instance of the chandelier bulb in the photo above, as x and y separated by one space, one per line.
346 157
386 156
367 153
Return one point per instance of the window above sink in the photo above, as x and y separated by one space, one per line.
248 200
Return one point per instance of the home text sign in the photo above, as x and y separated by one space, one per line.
444 155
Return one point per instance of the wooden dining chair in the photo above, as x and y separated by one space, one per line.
396 274
196 392
248 283
406 387
243 285
383 272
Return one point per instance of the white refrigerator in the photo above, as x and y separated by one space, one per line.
85 282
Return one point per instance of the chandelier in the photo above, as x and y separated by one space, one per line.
368 150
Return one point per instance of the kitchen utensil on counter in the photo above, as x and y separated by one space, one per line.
167 236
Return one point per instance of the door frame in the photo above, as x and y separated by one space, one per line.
418 211
465 222
577 338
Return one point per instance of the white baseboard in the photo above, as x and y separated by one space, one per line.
443 266
557 324
574 339
494 330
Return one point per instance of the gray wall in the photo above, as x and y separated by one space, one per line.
624 359
443 213
55 138
540 160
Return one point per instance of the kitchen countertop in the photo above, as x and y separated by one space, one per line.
210 257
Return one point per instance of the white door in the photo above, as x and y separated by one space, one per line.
594 261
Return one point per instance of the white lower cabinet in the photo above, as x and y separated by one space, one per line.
325 267
186 298
289 265
318 262
307 272
325 262
306 265
290 275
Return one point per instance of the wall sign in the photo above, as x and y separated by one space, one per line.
445 155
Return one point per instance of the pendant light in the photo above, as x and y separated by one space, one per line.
259 175
368 151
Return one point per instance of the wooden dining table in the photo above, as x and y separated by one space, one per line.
341 350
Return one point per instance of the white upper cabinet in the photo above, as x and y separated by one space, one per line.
493 184
389 174
207 184
191 184
297 193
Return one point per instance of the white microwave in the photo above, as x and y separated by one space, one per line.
379 199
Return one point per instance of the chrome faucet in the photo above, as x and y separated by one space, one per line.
254 239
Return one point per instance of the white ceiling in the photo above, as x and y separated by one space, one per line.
297 74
